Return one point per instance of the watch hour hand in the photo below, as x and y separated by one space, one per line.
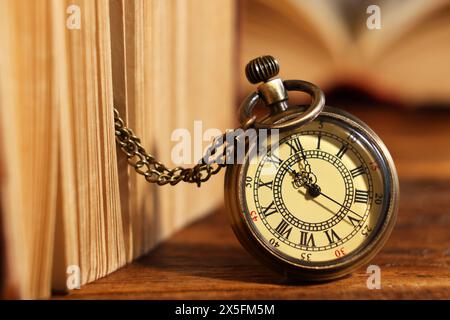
307 175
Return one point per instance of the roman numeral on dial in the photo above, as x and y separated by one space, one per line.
342 151
265 184
357 171
284 229
319 138
274 159
332 236
307 239
361 196
295 145
353 220
271 209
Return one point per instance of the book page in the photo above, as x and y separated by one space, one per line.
28 124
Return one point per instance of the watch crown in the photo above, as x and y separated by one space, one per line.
262 69
272 91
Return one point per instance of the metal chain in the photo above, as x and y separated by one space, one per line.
155 172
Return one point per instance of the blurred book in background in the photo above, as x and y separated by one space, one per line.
67 198
329 43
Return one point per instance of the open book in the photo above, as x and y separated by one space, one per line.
70 205
329 43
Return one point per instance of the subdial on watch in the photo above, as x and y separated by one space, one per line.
302 209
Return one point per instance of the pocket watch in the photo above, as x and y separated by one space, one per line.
315 193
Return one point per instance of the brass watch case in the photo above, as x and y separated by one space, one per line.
240 219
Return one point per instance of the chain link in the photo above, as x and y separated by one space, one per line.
155 172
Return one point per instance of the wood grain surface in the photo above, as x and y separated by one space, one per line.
205 261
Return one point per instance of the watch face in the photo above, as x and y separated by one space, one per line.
319 196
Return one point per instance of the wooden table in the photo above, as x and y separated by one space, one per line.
205 261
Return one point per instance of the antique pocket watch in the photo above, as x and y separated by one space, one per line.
314 201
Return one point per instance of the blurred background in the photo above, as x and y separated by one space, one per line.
396 51
71 206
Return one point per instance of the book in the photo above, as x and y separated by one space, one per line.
403 60
72 209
